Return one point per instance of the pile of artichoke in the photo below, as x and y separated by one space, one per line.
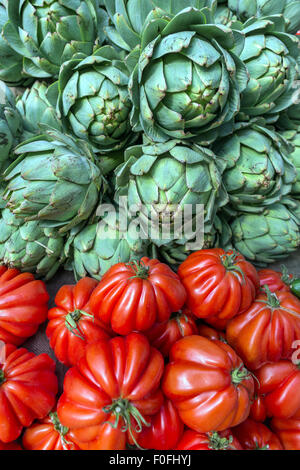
124 107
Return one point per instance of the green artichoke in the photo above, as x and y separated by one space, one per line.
48 33
161 179
187 81
29 247
224 15
294 157
258 171
54 180
94 100
101 245
289 119
271 58
267 237
290 9
35 109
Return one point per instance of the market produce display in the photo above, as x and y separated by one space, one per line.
152 148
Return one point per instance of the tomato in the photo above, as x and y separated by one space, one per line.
256 436
10 446
211 333
258 410
208 384
164 431
277 390
267 330
48 434
163 335
288 431
219 284
28 386
113 389
276 281
132 297
23 305
224 440
71 325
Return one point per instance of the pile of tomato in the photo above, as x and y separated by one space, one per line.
207 358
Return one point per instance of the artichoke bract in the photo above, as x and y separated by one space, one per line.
258 170
35 109
290 9
267 237
271 57
294 156
29 247
187 81
48 33
101 245
161 180
54 180
289 119
94 100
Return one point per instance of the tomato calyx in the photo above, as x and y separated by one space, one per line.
177 316
122 408
272 299
216 442
139 268
240 374
266 447
229 263
286 277
2 377
72 320
60 429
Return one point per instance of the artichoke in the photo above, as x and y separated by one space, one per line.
94 100
290 9
55 180
101 245
35 109
187 80
289 119
258 171
160 180
294 156
271 58
224 15
29 247
267 237
48 33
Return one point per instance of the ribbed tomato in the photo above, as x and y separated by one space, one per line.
256 436
288 431
276 281
211 333
132 297
72 325
48 434
277 390
10 446
23 305
113 389
224 440
267 330
163 335
219 284
28 387
208 384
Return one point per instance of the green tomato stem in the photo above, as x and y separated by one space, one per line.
2 377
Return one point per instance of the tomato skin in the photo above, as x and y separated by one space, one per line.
255 436
288 431
258 410
120 372
214 291
27 390
274 280
263 333
23 305
10 446
42 435
211 333
275 389
129 303
69 345
200 382
192 440
163 335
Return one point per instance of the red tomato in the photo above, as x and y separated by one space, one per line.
10 446
28 386
114 388
211 333
164 431
71 325
288 431
208 384
275 280
163 335
224 440
267 330
23 305
219 284
48 434
132 297
256 436
258 410
276 389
